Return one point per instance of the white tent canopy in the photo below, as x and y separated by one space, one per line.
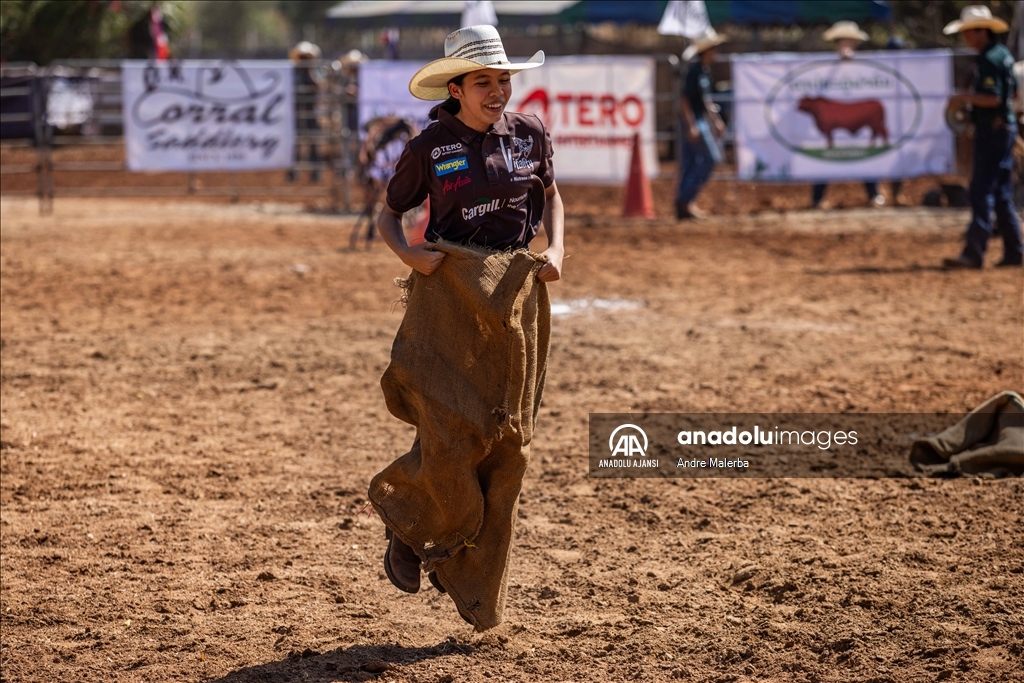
364 9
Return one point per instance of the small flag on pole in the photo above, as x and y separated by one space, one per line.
688 18
161 48
479 13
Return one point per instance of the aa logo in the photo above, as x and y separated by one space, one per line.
628 443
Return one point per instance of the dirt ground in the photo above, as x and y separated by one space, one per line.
191 415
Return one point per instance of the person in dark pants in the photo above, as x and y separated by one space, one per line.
995 131
847 36
699 148
307 86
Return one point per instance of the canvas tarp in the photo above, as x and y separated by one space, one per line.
990 439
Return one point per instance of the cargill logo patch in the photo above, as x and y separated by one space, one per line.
450 166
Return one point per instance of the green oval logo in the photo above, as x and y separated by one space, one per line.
843 110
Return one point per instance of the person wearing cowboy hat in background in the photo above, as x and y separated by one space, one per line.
995 132
473 149
307 88
699 151
847 36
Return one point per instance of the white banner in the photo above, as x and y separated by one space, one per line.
816 117
592 106
384 91
208 115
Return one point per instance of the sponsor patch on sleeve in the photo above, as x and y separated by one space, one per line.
450 166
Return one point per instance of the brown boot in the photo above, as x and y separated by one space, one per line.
402 565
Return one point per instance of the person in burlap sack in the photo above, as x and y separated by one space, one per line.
468 363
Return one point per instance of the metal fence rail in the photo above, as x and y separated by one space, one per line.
323 120
21 126
320 124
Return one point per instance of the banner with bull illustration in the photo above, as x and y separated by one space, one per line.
208 115
592 107
816 117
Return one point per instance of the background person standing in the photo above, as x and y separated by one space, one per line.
308 80
995 132
699 148
847 36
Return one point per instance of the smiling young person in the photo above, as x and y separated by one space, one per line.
488 172
489 177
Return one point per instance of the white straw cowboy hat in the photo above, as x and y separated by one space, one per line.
976 16
845 29
705 41
305 49
469 49
352 58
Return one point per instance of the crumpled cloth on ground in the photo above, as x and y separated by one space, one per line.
467 370
990 439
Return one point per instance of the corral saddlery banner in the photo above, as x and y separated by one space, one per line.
591 105
208 115
816 117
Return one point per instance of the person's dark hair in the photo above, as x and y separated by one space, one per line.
451 105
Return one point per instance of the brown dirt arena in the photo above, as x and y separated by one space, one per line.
191 414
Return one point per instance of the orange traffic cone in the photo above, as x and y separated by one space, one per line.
418 233
639 200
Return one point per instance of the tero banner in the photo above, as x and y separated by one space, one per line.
208 115
592 106
816 117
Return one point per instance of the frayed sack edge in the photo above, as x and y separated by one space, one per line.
405 283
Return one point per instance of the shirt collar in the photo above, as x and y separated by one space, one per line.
464 132
501 127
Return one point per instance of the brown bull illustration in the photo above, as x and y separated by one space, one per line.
852 116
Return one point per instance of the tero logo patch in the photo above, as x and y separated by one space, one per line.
451 166
445 150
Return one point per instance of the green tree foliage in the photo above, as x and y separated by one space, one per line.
41 31
242 27
305 13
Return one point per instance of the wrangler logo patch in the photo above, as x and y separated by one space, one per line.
451 166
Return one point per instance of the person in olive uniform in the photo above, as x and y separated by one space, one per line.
995 131
700 125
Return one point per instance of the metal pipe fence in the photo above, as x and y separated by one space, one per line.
327 135
325 143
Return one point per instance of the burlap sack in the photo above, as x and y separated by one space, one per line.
467 370
990 439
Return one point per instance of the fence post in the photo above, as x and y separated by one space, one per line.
346 144
44 144
336 93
